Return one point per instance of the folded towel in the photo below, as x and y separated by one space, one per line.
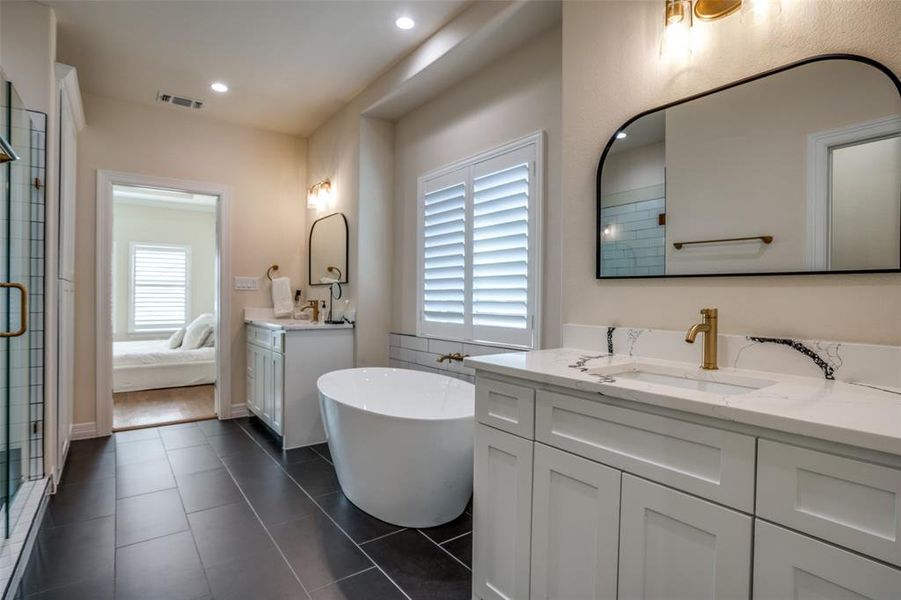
282 305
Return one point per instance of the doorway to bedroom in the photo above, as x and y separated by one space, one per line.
163 306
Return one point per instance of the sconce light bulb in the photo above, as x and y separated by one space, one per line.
676 40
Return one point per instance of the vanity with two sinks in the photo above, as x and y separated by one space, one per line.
615 476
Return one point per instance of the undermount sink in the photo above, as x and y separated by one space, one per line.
713 382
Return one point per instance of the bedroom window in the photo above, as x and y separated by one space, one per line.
479 236
159 291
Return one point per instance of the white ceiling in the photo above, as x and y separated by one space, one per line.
290 65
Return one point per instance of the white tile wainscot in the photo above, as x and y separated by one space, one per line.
607 486
422 354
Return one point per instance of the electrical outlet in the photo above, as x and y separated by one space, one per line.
247 283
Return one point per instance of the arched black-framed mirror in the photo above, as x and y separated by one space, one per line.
327 252
793 171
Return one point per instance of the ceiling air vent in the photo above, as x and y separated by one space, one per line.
182 101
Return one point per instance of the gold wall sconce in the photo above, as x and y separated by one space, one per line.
320 194
678 16
712 10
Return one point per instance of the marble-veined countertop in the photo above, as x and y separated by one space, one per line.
848 413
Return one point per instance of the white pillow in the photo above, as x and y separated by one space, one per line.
198 331
177 338
211 338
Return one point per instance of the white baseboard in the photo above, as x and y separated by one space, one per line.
239 410
83 431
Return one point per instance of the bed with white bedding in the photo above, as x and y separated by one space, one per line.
151 364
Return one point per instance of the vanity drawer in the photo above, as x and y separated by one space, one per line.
708 462
850 502
272 339
506 406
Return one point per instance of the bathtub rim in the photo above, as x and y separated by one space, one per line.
373 413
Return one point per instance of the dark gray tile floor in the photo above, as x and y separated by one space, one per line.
216 510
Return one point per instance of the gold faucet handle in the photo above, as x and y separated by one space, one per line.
709 312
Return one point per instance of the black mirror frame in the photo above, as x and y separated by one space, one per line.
822 57
346 269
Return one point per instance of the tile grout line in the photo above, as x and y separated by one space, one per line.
263 525
322 456
456 537
328 516
343 578
384 535
446 551
187 522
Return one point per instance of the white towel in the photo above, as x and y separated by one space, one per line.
282 304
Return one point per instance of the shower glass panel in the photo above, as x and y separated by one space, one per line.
21 274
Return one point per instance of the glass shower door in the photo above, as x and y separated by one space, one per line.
16 247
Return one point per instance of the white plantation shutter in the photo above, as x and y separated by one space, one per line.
159 287
444 254
478 248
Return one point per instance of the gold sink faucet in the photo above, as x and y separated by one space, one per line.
708 328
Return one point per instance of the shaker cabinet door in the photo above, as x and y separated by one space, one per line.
575 527
502 515
678 547
278 390
251 379
791 565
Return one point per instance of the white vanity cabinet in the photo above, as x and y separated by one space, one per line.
673 545
584 496
791 565
502 514
283 364
575 526
265 375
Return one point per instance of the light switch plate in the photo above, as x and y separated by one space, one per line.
247 283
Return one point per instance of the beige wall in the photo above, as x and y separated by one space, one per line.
515 96
612 70
266 172
157 225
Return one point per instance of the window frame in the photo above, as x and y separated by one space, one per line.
501 337
132 252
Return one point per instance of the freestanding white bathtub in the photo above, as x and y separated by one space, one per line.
401 442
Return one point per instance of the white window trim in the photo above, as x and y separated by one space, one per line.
132 246
536 254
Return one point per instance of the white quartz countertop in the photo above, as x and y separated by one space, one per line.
847 413
296 324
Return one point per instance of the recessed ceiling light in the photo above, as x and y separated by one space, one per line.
404 23
620 135
219 87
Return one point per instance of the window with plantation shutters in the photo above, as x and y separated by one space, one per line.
479 238
159 296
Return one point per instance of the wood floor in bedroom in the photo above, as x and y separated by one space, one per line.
149 408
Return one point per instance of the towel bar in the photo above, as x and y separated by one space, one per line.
766 239
270 270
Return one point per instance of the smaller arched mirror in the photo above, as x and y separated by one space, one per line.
328 250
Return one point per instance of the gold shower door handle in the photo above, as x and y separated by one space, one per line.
23 310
